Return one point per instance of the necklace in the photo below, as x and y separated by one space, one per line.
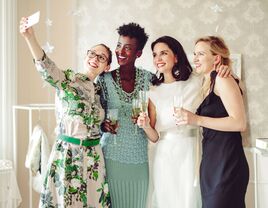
118 78
124 98
117 75
127 96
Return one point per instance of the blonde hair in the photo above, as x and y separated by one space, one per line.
217 47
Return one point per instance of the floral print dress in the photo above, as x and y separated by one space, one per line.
76 174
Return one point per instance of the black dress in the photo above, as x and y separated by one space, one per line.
224 171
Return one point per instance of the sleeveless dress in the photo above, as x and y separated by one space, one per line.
126 157
175 153
76 174
224 171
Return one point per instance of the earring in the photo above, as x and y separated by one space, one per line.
176 70
157 74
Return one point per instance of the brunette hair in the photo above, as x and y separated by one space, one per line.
109 53
182 69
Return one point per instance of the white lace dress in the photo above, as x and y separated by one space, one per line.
174 160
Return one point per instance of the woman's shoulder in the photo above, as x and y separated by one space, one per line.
145 72
163 88
225 81
153 88
105 75
143 69
195 77
227 84
194 80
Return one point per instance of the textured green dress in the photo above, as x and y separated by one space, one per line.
76 173
126 154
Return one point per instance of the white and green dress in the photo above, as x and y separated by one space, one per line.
76 171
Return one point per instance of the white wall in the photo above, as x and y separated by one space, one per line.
31 89
242 23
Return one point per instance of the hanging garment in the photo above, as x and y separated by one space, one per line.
9 190
37 157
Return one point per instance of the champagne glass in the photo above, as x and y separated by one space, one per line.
112 115
177 103
143 97
135 112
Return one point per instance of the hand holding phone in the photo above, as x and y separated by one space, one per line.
32 20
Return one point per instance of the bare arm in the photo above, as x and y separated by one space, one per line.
229 92
148 122
31 40
46 67
231 97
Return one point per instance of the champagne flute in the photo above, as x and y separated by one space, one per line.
112 115
135 112
143 97
178 104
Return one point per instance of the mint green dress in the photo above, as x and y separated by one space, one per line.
76 174
126 159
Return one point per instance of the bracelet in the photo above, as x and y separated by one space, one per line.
43 57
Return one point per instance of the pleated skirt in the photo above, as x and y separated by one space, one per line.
128 184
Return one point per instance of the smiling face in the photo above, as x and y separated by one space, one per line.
204 60
163 58
126 50
96 60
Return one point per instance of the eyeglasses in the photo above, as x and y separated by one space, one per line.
101 58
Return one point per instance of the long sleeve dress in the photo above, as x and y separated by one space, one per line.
76 173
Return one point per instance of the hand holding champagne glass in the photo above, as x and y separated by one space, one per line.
135 112
177 105
112 116
143 97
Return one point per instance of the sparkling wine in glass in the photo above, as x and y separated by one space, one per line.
177 103
143 97
112 115
135 112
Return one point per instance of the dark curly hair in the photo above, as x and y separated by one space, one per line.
134 30
182 69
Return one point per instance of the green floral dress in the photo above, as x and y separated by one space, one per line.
76 174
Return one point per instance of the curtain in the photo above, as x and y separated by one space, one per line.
8 61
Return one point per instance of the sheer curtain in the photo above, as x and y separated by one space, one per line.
8 61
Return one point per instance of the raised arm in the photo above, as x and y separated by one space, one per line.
31 40
45 66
